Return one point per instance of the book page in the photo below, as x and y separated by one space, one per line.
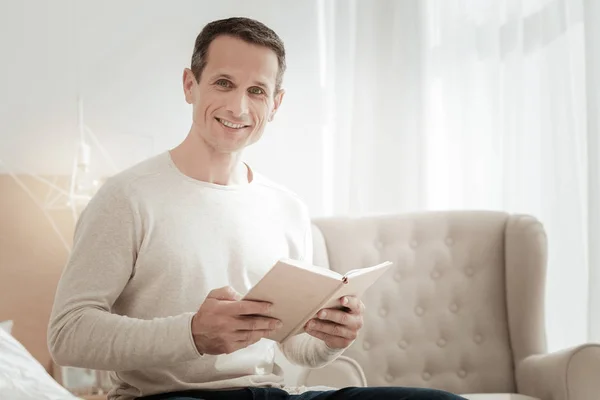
295 292
312 268
357 282
368 270
354 283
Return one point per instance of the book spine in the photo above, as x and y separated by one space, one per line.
299 327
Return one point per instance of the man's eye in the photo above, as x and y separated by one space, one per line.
256 90
223 83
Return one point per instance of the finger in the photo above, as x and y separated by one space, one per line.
353 303
252 323
332 329
250 307
225 293
341 317
333 342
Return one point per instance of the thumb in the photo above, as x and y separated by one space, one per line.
225 293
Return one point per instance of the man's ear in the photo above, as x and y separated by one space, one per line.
189 82
278 99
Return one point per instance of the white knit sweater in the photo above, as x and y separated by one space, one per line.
147 250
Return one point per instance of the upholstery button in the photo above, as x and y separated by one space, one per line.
383 312
478 338
419 311
462 373
449 241
403 344
469 271
441 342
426 376
366 345
454 307
435 274
389 377
413 244
397 276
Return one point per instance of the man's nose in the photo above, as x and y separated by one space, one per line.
237 103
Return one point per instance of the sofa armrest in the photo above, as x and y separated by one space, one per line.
342 372
570 374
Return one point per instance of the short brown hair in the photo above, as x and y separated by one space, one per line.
246 29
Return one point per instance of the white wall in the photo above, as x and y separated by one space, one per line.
125 58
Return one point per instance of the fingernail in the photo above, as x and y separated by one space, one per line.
345 301
312 324
323 314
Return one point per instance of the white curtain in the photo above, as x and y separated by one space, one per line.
470 104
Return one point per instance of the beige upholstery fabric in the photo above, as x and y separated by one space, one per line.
345 372
320 256
525 248
568 374
462 306
439 318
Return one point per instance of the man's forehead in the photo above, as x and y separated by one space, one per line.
241 60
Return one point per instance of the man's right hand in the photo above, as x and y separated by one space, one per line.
225 323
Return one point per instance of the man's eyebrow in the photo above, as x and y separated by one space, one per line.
261 84
221 75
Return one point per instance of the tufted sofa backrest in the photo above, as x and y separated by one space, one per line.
440 317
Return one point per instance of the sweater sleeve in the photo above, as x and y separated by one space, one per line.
308 351
83 332
305 350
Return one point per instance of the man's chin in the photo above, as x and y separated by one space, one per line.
223 142
228 146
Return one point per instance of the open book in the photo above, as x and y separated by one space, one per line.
299 290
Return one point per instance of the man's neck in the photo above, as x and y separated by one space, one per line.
196 159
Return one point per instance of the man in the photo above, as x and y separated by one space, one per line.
161 254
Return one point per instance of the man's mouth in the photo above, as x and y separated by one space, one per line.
231 124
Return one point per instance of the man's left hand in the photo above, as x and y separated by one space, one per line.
338 328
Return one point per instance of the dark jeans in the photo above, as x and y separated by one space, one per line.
351 393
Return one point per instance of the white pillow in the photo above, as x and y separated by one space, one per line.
22 377
6 326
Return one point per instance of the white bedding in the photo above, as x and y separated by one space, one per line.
22 377
6 326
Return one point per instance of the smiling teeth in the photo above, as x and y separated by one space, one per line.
230 124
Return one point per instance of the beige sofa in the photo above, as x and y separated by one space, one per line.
462 310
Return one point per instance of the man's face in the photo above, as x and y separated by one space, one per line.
235 97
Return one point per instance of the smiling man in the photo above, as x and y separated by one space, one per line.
161 254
